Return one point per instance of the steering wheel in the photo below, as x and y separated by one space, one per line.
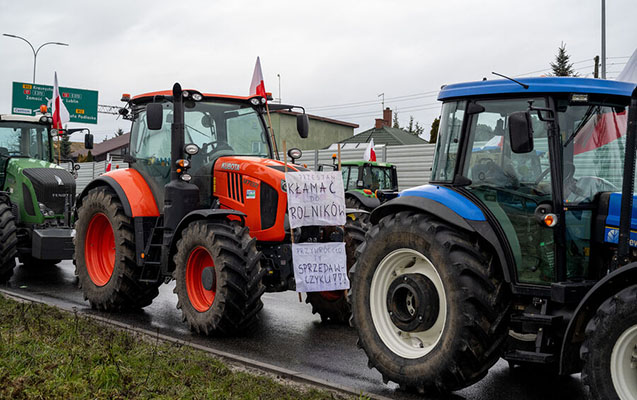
542 176
215 146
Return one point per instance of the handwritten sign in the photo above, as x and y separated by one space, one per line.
315 198
320 267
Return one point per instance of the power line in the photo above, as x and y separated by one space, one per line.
369 102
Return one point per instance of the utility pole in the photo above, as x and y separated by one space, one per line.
596 70
603 39
279 76
383 101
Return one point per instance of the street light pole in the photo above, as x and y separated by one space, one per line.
603 39
35 52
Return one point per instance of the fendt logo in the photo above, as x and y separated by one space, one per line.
231 166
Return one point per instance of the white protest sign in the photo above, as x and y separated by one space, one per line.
315 198
320 267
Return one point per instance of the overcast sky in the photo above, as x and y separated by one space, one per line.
329 54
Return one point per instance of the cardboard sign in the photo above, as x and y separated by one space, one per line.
315 198
320 267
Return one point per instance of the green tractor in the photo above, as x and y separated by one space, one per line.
523 246
367 183
36 195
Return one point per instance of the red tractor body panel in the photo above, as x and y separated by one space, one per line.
137 191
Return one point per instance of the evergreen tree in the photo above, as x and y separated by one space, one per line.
433 133
561 66
65 149
395 123
89 156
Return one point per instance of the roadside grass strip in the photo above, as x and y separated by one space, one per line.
47 353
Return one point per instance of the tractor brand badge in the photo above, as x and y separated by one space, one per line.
58 180
251 194
612 235
230 166
251 183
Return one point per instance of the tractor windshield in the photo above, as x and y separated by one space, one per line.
24 139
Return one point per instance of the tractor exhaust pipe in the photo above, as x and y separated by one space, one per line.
177 131
628 186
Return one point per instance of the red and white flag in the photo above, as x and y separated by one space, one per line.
257 87
60 113
109 163
370 154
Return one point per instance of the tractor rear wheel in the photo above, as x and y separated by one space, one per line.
332 306
609 351
428 302
105 255
218 277
8 242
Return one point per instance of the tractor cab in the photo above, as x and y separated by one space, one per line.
541 163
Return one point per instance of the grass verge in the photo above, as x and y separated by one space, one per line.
46 353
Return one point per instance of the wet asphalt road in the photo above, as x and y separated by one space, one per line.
289 336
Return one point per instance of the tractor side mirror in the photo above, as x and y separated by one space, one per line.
521 132
303 125
154 116
88 141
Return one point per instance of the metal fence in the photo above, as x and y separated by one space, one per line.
413 162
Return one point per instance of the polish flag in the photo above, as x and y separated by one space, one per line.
110 161
257 87
370 154
60 113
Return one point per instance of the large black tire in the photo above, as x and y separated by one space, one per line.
609 351
232 305
8 242
333 306
448 305
105 255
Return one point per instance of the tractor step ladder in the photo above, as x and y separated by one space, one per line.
542 325
151 270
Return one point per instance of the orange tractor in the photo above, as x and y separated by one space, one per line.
204 203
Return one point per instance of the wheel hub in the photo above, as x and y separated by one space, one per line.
208 278
413 303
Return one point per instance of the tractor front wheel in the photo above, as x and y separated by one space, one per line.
105 255
8 242
428 302
610 349
332 306
218 277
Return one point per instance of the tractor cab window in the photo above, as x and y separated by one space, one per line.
22 139
447 144
350 176
513 185
594 144
375 178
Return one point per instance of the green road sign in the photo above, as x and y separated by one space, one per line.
82 104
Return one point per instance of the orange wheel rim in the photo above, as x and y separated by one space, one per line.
99 249
200 298
332 295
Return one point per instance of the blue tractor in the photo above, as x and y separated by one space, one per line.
522 246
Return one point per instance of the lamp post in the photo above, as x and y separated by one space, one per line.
35 52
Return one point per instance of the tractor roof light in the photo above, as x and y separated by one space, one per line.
255 101
44 119
43 109
125 97
197 96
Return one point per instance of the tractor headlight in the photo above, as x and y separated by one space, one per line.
186 177
191 149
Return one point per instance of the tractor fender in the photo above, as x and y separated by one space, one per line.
131 189
369 202
203 214
606 287
451 207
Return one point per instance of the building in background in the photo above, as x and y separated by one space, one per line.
118 147
323 131
383 134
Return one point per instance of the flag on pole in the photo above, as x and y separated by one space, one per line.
60 113
370 154
257 87
109 163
